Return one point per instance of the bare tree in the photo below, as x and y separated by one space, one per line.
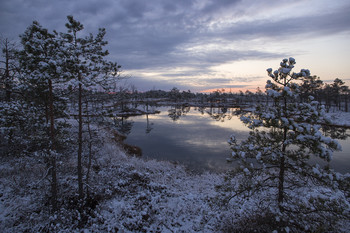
8 66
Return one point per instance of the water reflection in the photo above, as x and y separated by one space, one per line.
197 137
177 111
123 125
220 114
336 132
149 125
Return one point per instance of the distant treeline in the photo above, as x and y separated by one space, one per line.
335 95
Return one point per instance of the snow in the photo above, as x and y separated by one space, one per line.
286 70
258 156
339 118
273 93
292 60
143 195
171 200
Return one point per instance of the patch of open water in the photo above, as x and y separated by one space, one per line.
197 137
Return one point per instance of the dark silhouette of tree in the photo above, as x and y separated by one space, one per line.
8 66
311 85
338 91
175 94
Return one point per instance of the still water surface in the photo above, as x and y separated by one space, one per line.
197 137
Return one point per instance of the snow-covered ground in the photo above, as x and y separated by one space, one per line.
153 196
135 195
340 118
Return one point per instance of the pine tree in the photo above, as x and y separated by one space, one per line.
87 68
338 89
277 161
40 64
10 140
311 85
8 66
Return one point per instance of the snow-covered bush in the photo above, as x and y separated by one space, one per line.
278 172
21 131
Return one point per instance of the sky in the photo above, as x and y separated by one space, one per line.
202 45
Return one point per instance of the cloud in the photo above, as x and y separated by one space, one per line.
185 38
308 25
146 83
151 22
160 42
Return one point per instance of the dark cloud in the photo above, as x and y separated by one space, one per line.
249 79
218 5
144 83
199 61
309 25
159 34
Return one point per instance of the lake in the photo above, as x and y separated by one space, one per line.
197 137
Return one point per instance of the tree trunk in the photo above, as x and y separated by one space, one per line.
47 110
281 171
53 156
7 72
90 150
80 143
282 159
281 181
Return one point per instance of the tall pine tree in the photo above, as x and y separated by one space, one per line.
86 65
279 167
8 66
40 64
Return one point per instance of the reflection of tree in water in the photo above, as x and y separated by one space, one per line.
220 114
336 132
148 125
123 125
201 110
177 111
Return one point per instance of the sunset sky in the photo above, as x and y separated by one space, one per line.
203 44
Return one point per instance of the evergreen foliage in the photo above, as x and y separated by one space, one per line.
283 173
8 66
54 66
87 68
279 163
41 65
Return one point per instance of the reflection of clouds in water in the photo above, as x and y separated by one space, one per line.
192 139
199 141
215 141
341 159
205 142
235 124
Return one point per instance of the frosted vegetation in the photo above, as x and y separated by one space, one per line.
65 168
275 159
